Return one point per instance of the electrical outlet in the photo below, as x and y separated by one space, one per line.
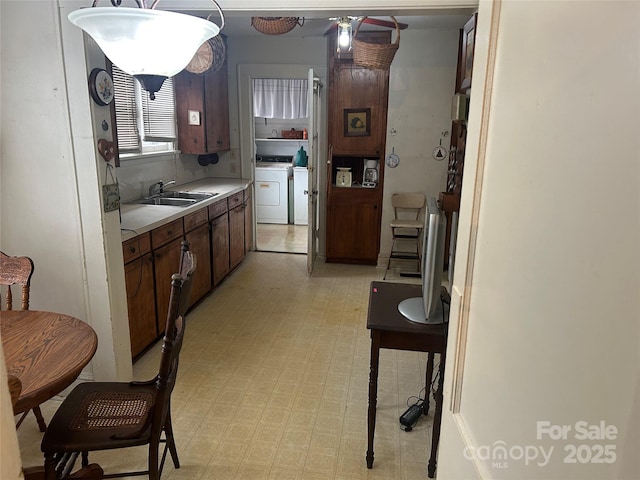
232 167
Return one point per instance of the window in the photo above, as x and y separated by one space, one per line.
143 125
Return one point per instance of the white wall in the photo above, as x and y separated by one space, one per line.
551 291
422 82
51 204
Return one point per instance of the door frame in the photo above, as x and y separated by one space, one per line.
248 71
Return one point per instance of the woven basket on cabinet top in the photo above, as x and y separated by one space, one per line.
374 55
275 25
209 57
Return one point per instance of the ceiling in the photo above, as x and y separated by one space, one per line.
239 24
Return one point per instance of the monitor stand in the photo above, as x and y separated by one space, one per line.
413 310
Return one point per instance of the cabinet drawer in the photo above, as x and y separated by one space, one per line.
217 209
236 199
135 247
166 233
195 219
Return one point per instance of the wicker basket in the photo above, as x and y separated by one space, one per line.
374 55
275 25
209 57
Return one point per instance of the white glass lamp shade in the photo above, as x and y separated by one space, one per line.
145 42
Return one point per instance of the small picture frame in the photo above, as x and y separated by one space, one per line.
101 86
466 57
194 117
357 122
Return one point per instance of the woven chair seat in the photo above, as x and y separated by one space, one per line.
97 413
112 410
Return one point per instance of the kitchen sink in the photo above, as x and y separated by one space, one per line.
175 199
173 202
187 195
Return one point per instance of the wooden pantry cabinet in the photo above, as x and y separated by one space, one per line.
358 104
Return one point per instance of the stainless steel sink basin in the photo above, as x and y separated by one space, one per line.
173 202
175 199
188 195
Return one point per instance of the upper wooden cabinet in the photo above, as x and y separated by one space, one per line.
358 104
202 111
359 97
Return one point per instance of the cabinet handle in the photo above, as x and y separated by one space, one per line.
132 249
170 232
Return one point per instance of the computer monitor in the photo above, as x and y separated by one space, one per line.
427 309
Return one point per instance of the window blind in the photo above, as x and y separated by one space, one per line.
125 103
158 115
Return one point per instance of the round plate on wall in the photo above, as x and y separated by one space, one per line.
392 160
101 86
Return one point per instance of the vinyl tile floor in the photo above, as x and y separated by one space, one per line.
272 237
273 383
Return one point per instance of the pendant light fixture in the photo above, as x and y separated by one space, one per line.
151 45
344 34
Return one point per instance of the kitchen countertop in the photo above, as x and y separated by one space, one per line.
139 218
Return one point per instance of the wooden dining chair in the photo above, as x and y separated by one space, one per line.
109 415
18 271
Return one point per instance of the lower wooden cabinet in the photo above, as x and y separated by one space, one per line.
141 303
220 247
236 229
166 261
219 217
216 235
196 227
248 221
353 227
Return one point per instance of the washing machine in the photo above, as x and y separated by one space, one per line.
272 192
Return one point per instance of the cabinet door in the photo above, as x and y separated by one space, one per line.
138 275
167 262
248 221
356 90
189 90
353 232
236 236
217 108
220 247
200 245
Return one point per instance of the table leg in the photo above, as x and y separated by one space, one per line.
373 394
437 418
427 388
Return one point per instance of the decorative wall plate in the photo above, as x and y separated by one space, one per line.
101 86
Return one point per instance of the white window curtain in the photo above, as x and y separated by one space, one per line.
280 98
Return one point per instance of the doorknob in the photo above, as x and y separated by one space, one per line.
306 192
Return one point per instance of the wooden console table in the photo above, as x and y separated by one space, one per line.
389 329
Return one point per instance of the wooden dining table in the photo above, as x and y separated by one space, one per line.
46 351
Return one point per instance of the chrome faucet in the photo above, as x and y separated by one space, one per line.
158 187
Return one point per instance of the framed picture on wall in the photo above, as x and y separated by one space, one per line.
466 58
357 122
